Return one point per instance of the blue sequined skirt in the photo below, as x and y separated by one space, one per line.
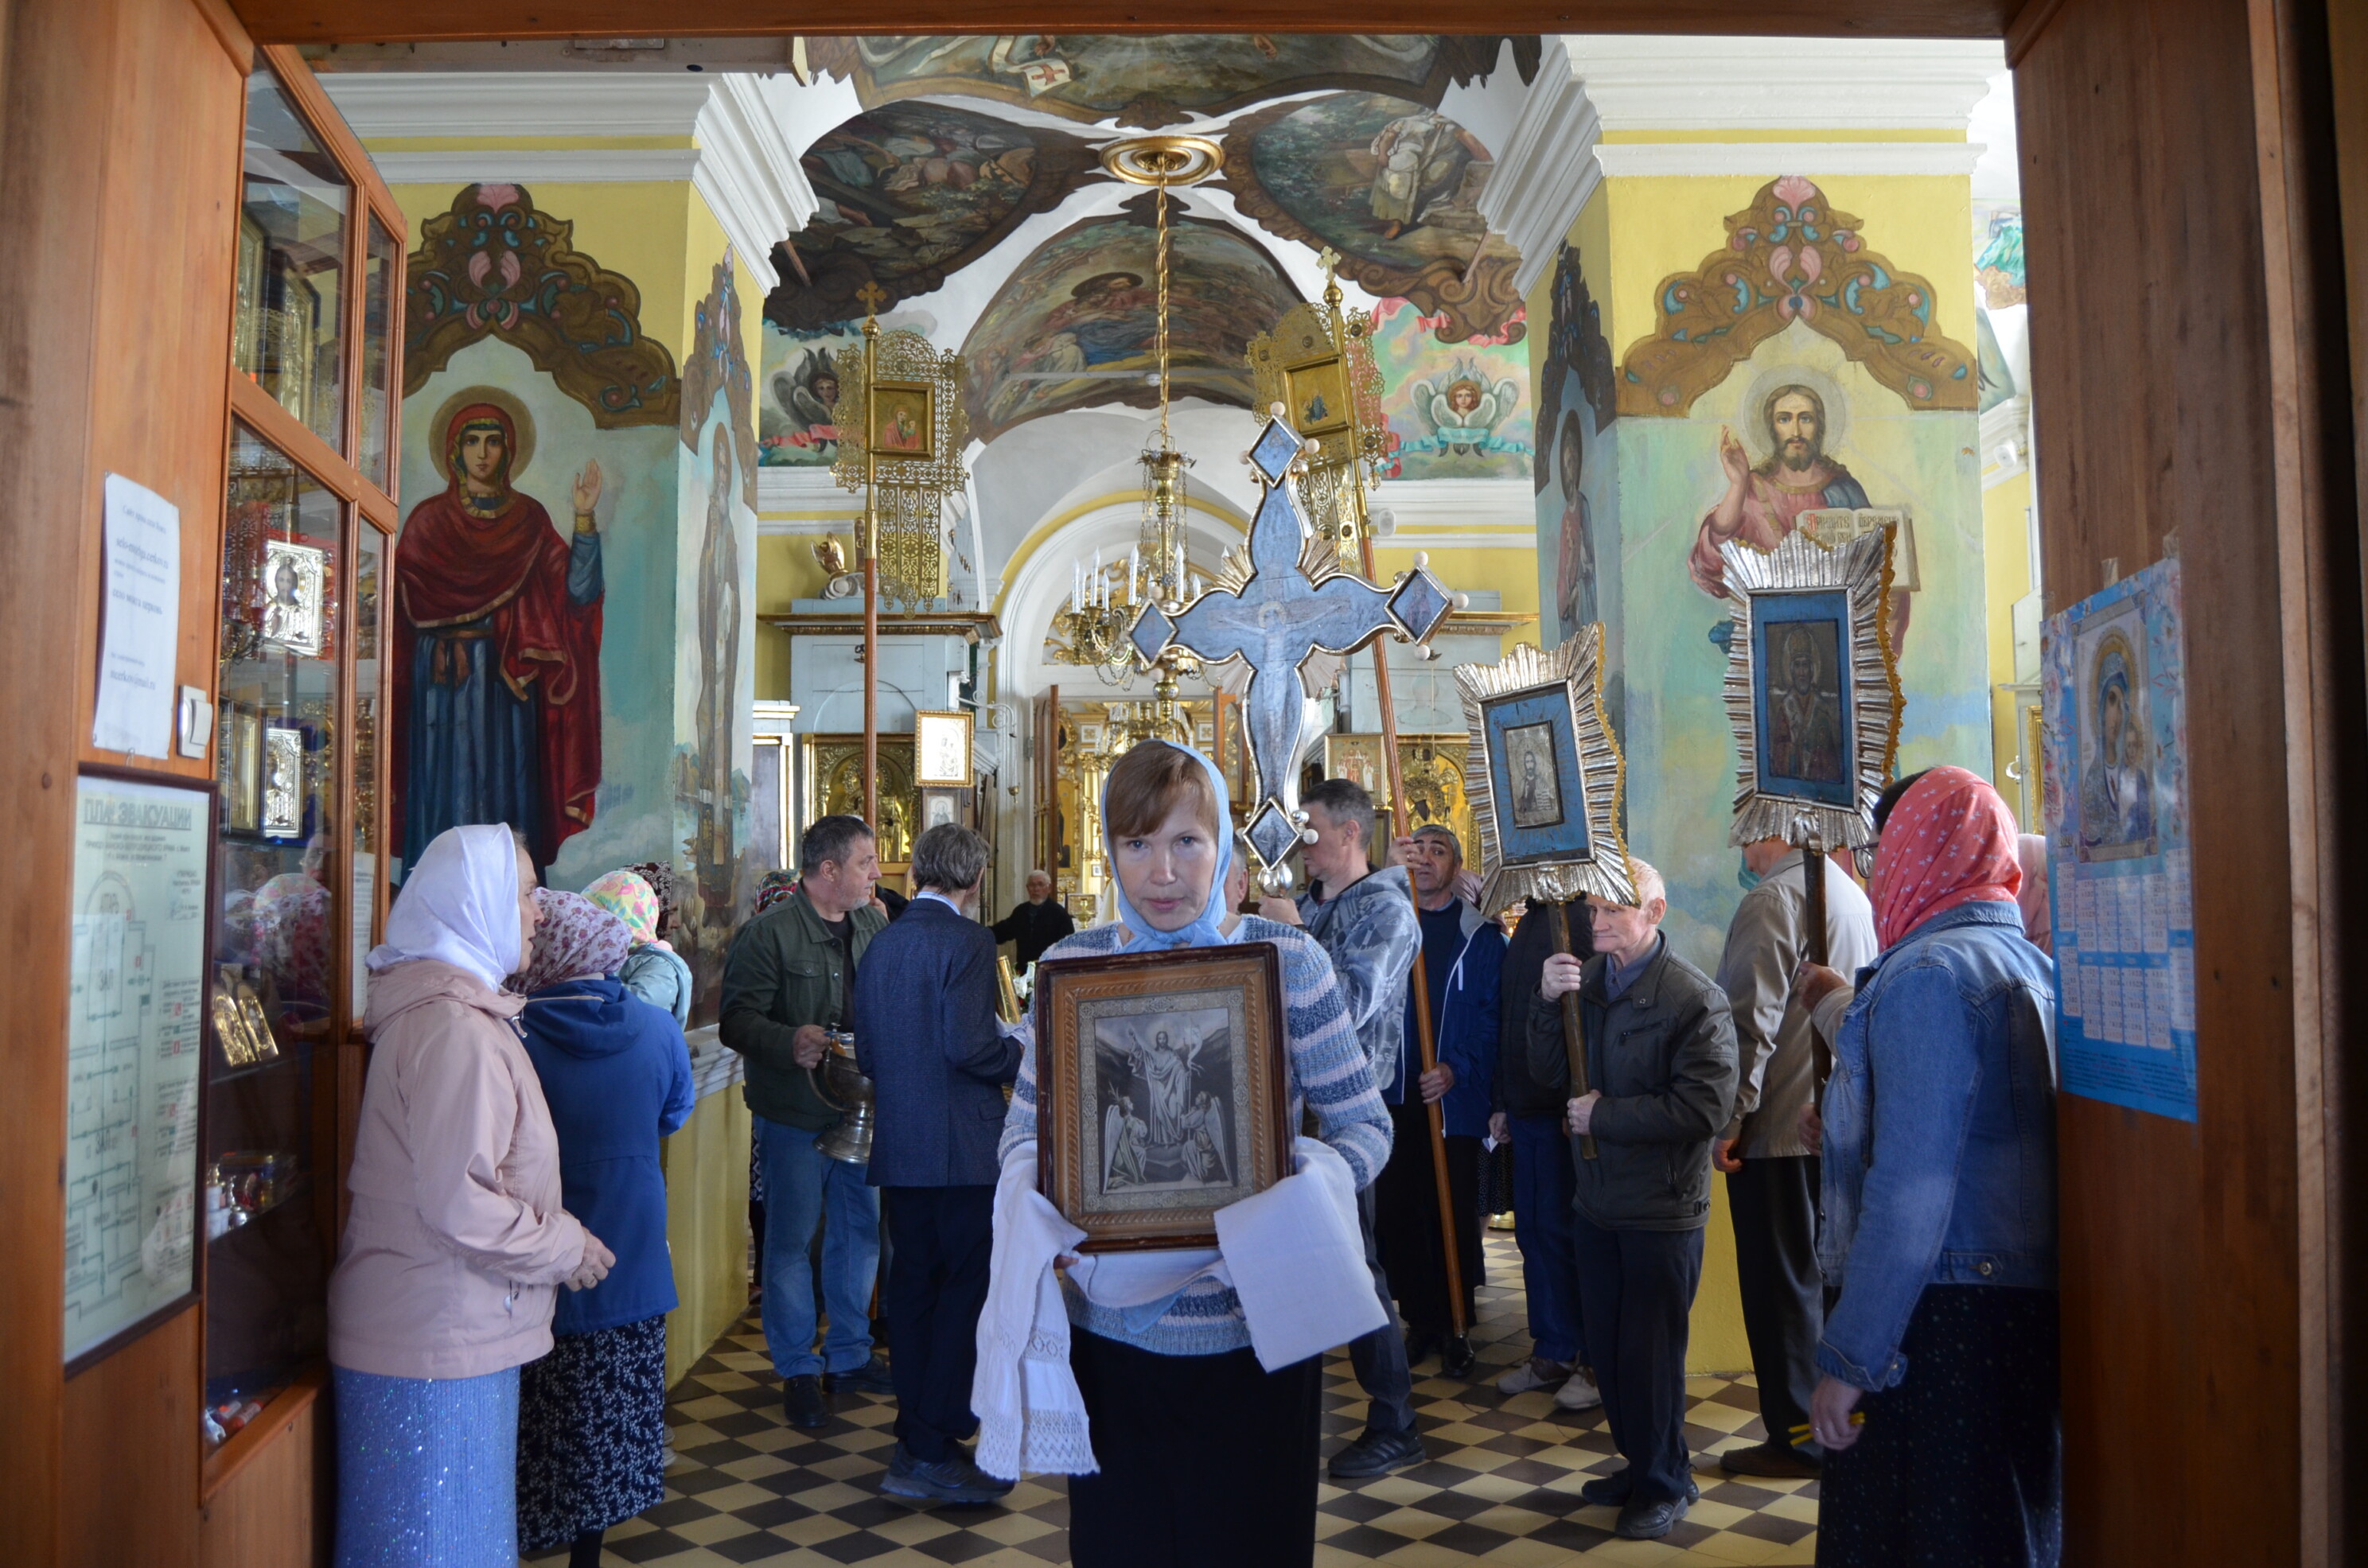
427 1471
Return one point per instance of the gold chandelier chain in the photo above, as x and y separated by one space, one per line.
1162 269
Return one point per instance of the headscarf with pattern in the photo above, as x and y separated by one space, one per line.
1948 841
777 886
577 940
632 901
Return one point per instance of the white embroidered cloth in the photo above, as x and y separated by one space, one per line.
1298 1261
1032 1419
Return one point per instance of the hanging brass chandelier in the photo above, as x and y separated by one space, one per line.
1091 628
1162 163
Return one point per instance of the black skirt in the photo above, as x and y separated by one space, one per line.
1206 1460
591 1448
1963 1460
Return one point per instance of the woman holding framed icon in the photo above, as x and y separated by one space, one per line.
1203 1455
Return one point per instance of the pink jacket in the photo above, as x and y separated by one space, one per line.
456 1243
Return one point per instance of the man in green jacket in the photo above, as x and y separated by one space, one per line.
788 978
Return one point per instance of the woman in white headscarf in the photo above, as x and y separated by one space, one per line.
457 1243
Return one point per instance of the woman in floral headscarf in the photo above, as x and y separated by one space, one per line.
653 971
1939 1410
592 1413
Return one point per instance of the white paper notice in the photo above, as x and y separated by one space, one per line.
142 621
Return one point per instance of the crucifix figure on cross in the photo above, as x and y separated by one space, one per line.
1274 621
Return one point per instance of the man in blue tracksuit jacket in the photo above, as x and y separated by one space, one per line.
1462 955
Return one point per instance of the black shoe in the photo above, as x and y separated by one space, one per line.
1420 1347
1456 1357
1650 1521
869 1378
1611 1490
1378 1453
1781 1460
802 1401
953 1479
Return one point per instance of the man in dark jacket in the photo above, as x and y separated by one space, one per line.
925 1035
1036 924
1660 1061
1461 956
1366 926
1529 1115
788 978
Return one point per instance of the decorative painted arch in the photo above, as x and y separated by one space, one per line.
497 266
1789 258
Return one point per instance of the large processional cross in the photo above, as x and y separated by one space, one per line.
1274 621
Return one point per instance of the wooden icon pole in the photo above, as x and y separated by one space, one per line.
1419 977
871 295
1574 1025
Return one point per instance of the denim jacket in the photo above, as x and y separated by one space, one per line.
1940 1132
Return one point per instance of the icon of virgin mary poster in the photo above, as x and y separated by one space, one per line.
497 657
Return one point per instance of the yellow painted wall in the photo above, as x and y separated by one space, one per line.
707 1226
2006 559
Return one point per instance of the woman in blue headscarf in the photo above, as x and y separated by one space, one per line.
2117 787
1204 1456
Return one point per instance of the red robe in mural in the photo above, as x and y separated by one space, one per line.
496 704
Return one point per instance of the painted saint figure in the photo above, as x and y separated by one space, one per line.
1204 1147
1123 1139
1575 572
497 663
1421 158
1805 722
1763 502
2116 789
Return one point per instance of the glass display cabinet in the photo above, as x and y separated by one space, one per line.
296 886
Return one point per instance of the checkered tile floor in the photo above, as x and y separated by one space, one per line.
1501 1488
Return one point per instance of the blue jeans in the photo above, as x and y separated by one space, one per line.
1543 1184
800 1182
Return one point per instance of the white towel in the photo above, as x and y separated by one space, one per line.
1032 1419
1297 1259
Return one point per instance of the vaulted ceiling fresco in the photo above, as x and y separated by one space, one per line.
1394 187
1075 323
910 193
1156 79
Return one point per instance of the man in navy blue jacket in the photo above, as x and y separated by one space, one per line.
925 1035
1463 956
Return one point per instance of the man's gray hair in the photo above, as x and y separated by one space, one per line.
1649 885
1344 800
831 838
1444 833
949 857
1035 873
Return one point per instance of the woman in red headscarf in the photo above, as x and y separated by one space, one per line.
497 667
1938 1407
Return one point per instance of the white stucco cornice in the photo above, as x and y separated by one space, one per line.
1598 99
1546 170
739 160
1780 84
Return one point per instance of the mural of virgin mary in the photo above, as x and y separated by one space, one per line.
497 657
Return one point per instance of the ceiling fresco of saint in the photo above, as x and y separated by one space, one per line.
1075 324
911 193
1153 81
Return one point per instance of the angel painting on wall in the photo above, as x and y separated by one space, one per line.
1461 410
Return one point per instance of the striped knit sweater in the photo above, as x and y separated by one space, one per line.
1327 1074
